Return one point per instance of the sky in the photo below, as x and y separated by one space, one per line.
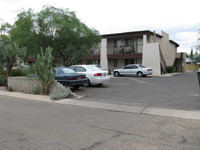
179 18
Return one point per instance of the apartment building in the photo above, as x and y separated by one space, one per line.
140 47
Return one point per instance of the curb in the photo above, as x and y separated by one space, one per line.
195 115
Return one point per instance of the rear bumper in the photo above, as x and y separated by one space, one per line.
100 80
73 82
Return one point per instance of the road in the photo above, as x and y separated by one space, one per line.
180 91
36 125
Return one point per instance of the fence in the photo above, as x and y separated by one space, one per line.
192 67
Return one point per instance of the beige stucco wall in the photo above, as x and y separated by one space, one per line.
23 84
28 85
103 56
151 57
168 49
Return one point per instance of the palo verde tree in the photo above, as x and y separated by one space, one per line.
4 36
44 70
196 56
58 28
11 53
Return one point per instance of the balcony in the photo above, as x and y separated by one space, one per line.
120 52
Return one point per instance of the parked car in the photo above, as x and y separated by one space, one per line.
69 77
95 76
133 69
99 66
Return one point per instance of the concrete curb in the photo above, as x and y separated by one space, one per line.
110 107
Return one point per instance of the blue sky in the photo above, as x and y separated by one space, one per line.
179 18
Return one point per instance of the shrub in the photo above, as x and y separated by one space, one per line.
17 72
2 80
44 70
37 90
170 69
60 93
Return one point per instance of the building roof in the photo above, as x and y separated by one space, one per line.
177 45
131 34
134 34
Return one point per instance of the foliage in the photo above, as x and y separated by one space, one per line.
196 56
170 69
11 53
4 36
44 70
60 93
37 90
58 28
17 72
2 80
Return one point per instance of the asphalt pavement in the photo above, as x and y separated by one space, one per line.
171 91
30 124
153 113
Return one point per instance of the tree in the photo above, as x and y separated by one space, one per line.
4 36
196 56
11 53
44 70
59 28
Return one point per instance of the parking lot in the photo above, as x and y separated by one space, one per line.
177 91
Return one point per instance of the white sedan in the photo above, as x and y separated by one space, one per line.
133 69
94 75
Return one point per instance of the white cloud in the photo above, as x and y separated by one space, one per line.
176 17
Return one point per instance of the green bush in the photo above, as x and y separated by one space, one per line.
17 72
170 69
2 80
37 90
44 70
60 93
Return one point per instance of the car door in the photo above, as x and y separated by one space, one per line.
125 71
133 70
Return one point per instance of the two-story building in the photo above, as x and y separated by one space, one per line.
139 47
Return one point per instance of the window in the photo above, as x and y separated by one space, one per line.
127 67
135 67
129 61
115 63
117 43
66 70
128 42
80 69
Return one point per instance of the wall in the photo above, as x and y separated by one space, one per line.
23 84
192 67
28 85
168 49
151 57
103 57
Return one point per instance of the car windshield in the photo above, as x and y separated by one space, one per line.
141 66
93 68
67 70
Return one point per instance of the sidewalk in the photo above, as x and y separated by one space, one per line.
110 107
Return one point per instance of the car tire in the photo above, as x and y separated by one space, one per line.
140 74
100 84
116 74
76 87
87 84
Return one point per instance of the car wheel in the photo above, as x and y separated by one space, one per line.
116 74
76 87
140 74
87 83
100 84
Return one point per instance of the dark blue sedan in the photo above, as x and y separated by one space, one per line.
69 77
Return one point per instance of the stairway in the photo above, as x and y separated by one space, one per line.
178 63
163 64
